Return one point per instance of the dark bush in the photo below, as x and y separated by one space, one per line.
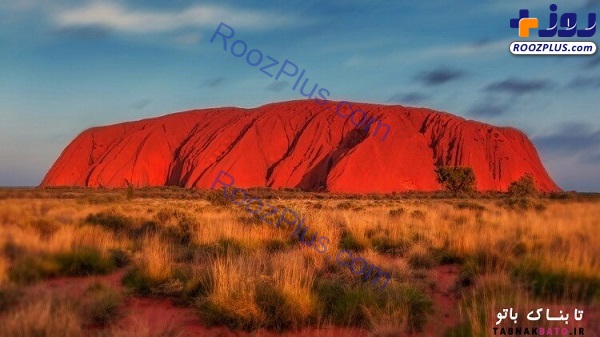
9 296
385 245
139 281
100 304
470 205
83 261
30 269
113 221
344 205
556 284
524 187
397 212
349 242
417 214
456 179
420 260
119 257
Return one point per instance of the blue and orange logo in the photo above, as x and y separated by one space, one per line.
568 24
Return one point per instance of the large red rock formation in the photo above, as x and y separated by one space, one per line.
297 144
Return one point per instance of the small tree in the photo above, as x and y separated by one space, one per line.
456 179
130 189
524 187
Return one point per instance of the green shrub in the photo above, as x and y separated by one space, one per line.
456 179
344 205
219 315
556 284
276 245
523 203
470 205
421 260
45 227
139 281
180 233
419 307
385 245
100 304
9 296
350 305
218 198
250 220
12 250
279 313
119 257
193 287
30 269
113 221
445 256
349 242
130 191
417 214
83 261
524 187
230 245
146 228
397 212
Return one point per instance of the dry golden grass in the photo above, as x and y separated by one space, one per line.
142 329
46 316
156 258
3 270
218 258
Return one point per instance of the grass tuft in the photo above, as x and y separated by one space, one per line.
100 304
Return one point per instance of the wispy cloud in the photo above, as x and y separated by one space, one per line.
408 98
591 4
213 82
440 76
584 82
477 48
188 39
116 17
592 63
491 107
277 86
517 86
141 104
571 138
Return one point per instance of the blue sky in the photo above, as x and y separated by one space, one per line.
68 65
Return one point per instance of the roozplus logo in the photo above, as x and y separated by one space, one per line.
527 26
568 21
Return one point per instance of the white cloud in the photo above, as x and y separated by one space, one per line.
188 39
417 55
116 17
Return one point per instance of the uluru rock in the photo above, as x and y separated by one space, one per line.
297 144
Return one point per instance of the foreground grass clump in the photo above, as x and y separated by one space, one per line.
45 316
82 261
243 296
100 304
9 296
153 266
407 305
111 220
549 284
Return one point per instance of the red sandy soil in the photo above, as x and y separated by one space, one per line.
150 314
160 314
445 302
298 144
